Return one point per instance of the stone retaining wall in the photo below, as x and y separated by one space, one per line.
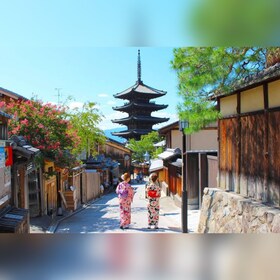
226 212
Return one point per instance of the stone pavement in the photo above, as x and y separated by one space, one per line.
102 216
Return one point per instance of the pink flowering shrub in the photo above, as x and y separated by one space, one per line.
45 127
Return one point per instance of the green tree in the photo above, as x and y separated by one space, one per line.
234 23
85 121
206 71
145 144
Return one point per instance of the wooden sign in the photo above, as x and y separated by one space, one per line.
8 156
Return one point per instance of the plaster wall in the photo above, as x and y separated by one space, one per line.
228 105
204 140
274 94
252 100
176 139
5 184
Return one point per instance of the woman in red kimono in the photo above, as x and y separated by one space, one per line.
125 193
153 191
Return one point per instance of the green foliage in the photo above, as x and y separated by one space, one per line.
58 133
234 22
206 71
145 144
85 122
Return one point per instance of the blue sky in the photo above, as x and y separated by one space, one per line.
97 23
88 74
88 50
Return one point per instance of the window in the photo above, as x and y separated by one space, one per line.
3 131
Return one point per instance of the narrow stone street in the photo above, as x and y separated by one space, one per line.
102 216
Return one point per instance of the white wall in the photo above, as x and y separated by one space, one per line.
274 94
252 100
204 140
5 184
176 139
228 105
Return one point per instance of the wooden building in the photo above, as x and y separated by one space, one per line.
171 172
101 170
92 184
139 108
118 153
62 184
249 137
76 179
63 188
201 158
26 176
50 191
14 214
6 94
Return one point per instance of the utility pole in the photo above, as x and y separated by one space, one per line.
58 95
182 125
34 96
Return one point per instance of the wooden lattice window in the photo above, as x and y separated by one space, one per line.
3 129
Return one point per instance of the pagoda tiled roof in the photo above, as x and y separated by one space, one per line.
140 87
147 119
132 132
135 104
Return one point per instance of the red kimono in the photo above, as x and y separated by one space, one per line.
153 205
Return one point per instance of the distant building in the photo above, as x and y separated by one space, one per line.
139 108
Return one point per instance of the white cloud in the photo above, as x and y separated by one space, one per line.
75 104
172 119
107 121
103 95
51 102
98 106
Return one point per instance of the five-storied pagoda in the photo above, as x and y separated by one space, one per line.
139 108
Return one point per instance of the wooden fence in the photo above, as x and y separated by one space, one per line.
201 171
249 159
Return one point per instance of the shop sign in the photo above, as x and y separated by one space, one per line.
2 157
8 156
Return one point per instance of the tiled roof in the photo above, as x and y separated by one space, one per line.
174 125
168 153
11 93
141 118
267 74
150 106
156 164
132 132
160 144
140 88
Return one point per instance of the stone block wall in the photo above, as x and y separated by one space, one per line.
227 212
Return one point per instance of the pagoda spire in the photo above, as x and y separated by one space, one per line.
139 108
139 68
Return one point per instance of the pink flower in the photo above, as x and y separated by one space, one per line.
2 104
24 122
